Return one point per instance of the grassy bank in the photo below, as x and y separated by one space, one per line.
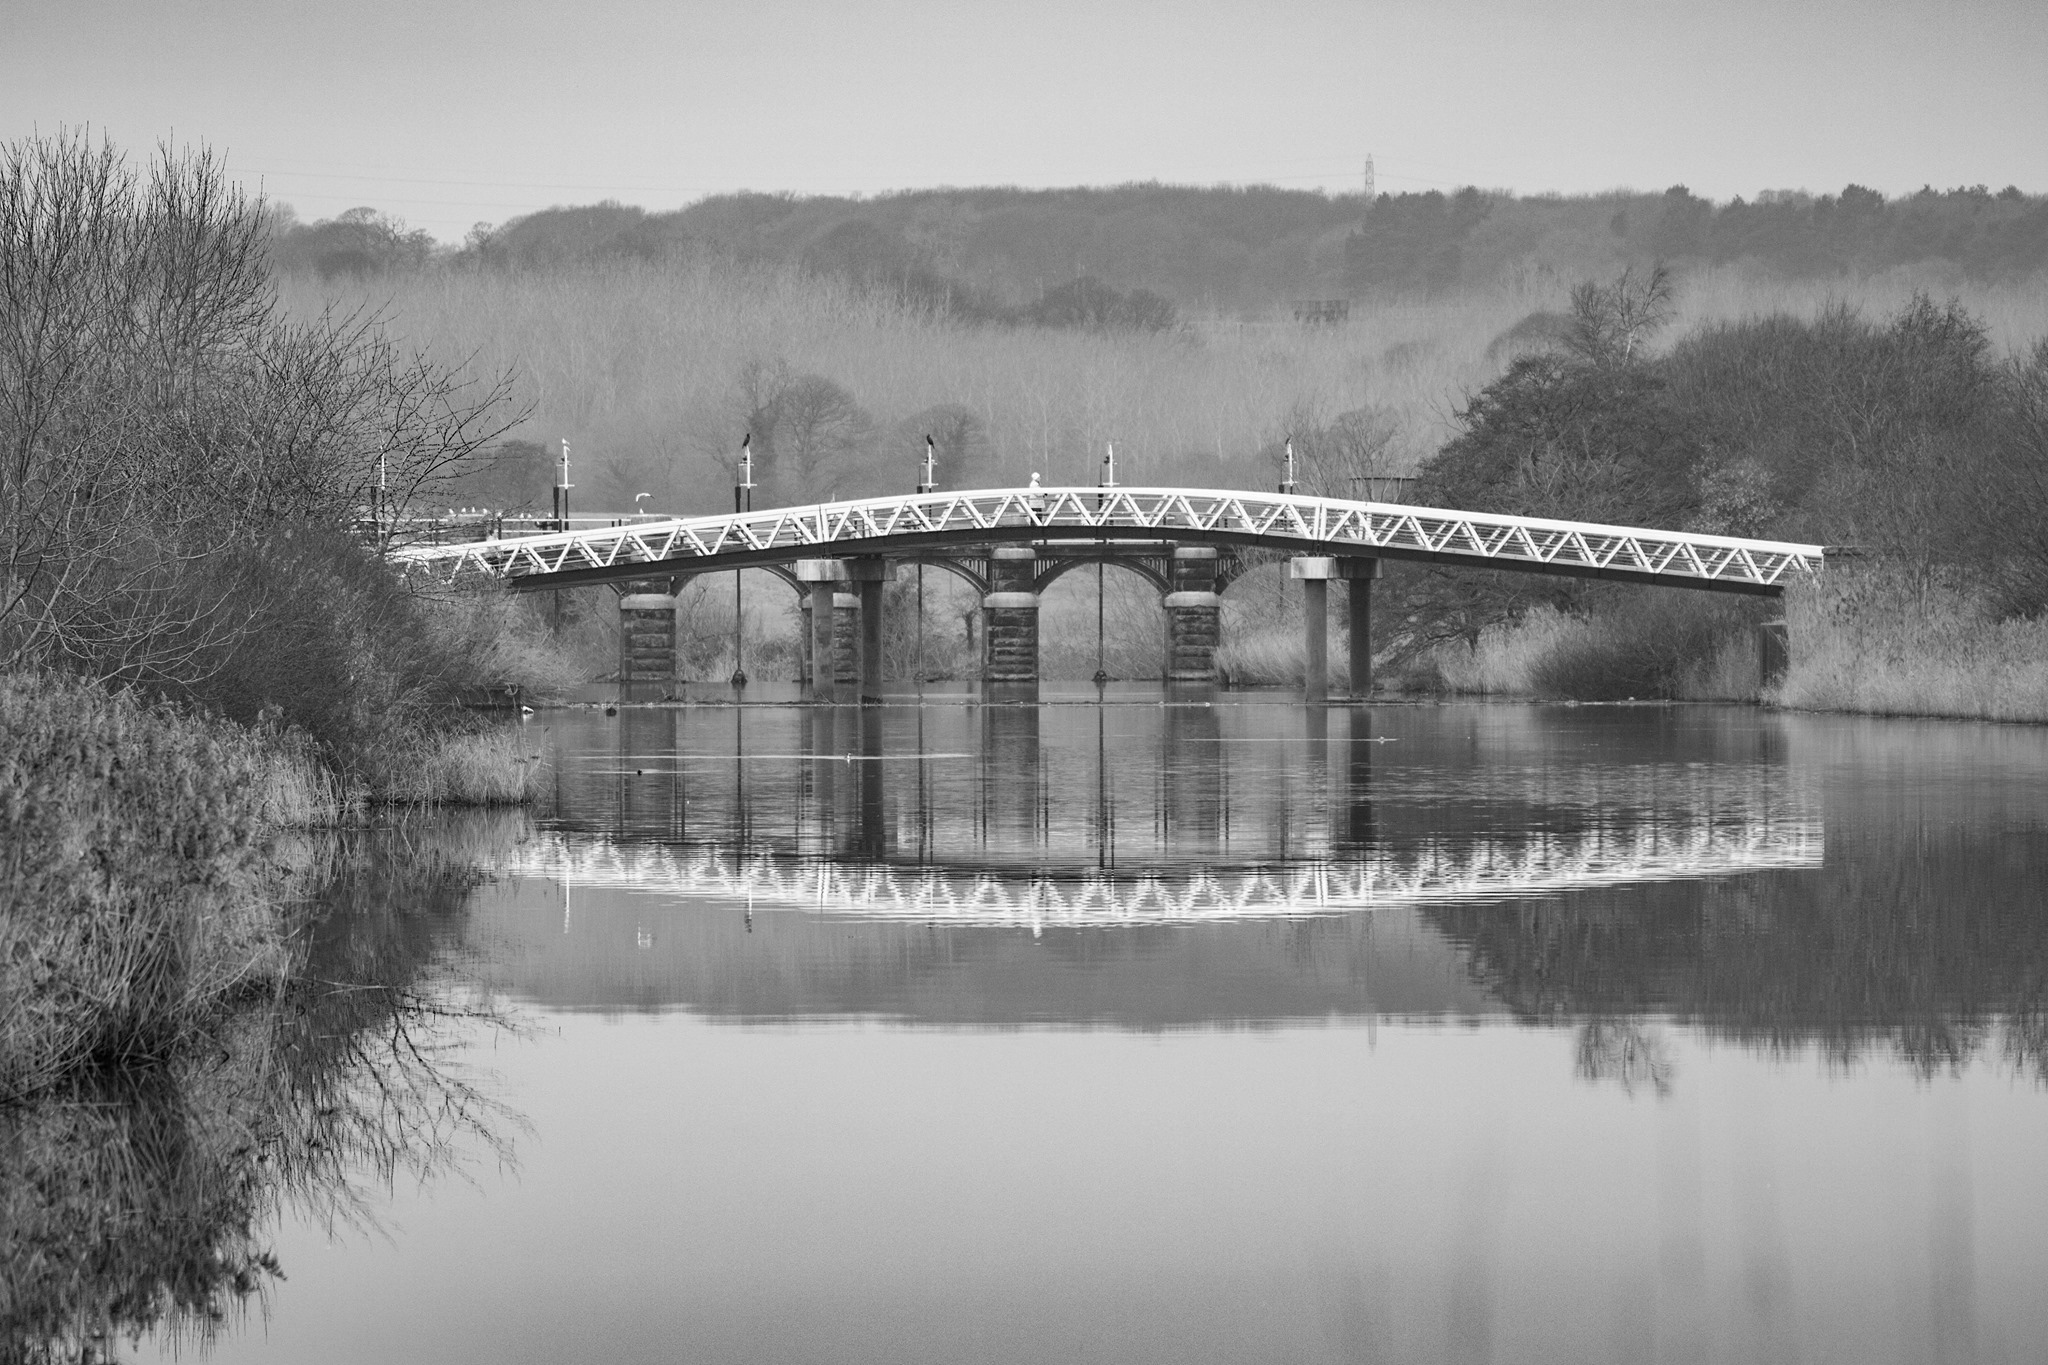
1864 640
1896 643
152 862
141 866
141 1199
1666 644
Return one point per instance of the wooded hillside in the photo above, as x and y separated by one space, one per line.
997 253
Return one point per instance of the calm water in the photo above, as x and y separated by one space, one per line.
1226 1032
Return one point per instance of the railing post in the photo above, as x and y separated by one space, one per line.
1315 573
1193 616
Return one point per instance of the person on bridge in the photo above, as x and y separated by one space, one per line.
1037 499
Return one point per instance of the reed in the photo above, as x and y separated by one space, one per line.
143 873
494 767
1887 641
1278 657
1504 660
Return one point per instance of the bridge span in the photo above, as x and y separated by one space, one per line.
1011 543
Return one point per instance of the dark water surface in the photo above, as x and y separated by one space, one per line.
1149 1032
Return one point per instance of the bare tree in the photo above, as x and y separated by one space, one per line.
811 439
160 424
1611 324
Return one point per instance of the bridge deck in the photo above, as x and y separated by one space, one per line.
1287 522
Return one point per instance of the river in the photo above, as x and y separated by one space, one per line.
1218 1031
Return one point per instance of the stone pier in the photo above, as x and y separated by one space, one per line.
1314 573
1010 617
1358 599
872 575
647 641
846 643
823 577
1193 612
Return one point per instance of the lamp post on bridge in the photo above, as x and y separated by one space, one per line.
1106 480
562 487
928 482
742 503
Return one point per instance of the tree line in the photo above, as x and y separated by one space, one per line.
1906 437
1020 256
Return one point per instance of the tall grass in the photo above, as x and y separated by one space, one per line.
140 871
1889 641
1504 660
1642 643
494 767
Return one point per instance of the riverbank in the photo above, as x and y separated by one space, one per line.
1896 645
153 861
1858 644
1890 649
144 1198
145 870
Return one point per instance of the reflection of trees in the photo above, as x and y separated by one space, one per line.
141 1200
1928 946
1624 1051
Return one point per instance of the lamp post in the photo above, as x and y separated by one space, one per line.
742 503
562 487
1106 480
927 483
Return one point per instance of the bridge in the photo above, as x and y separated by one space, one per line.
1011 544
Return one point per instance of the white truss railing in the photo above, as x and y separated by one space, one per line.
1428 873
1283 521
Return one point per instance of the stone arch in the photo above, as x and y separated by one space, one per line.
957 565
1154 567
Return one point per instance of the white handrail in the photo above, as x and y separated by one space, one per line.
1280 520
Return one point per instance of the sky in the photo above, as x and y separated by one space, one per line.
450 113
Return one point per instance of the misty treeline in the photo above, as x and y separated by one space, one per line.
1907 437
1144 251
184 470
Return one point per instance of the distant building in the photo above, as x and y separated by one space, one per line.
1322 312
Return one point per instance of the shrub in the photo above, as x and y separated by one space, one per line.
137 869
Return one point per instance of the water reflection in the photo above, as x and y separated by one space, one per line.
145 1199
1188 1074
1168 866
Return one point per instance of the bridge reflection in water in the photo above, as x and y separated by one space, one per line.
1166 864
